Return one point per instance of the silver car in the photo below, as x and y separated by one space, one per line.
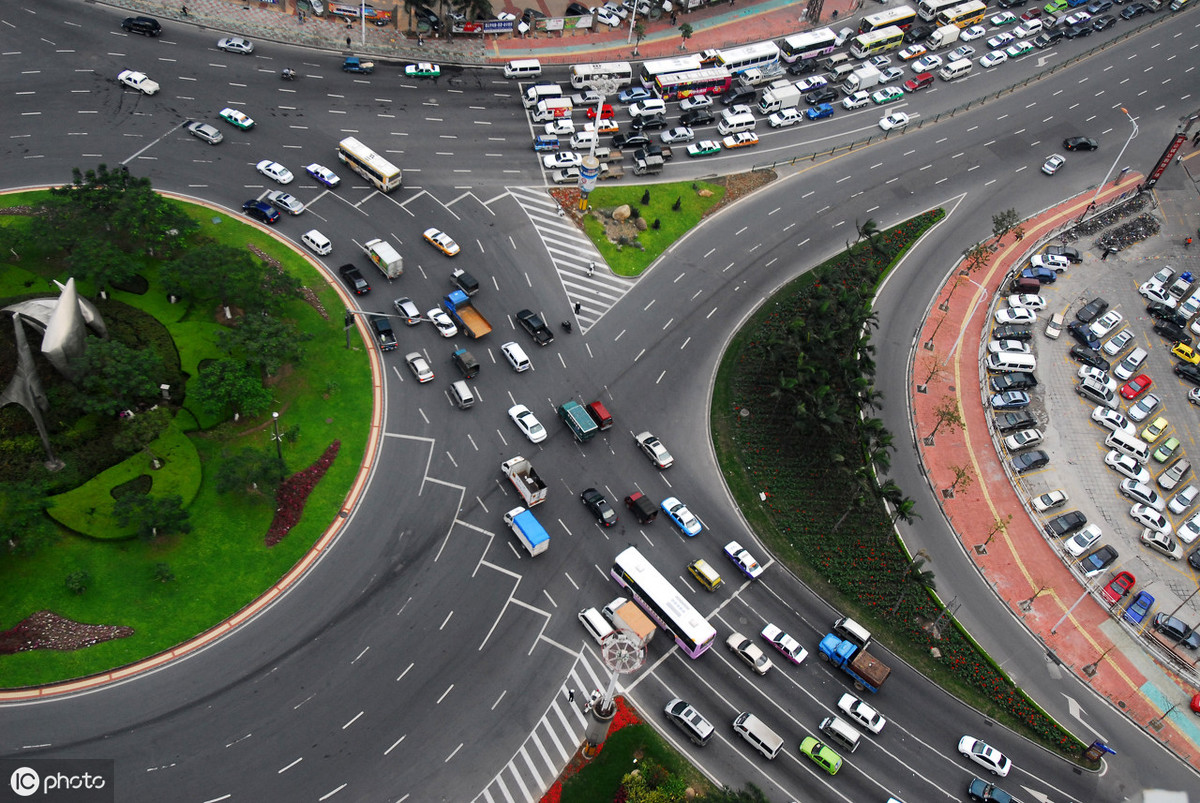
204 131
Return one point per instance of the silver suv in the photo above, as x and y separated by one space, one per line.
688 719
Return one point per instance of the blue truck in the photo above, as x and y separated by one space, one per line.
470 322
528 529
869 672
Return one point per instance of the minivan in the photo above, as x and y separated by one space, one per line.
584 139
841 732
851 630
1024 284
756 732
705 574
600 415
829 62
523 68
1129 445
516 356
1095 391
840 72
317 242
732 123
955 69
461 395
595 624
1007 362
645 108
919 81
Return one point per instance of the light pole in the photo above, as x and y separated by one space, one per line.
1133 134
276 438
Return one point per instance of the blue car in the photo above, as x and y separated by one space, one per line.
819 111
682 517
1010 400
1043 275
1139 609
633 94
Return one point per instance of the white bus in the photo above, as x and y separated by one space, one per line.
870 44
584 76
929 9
653 69
368 164
902 17
757 56
663 603
808 45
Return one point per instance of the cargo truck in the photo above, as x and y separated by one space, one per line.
383 332
864 77
458 305
355 64
626 615
780 95
943 36
528 529
650 165
385 257
868 672
578 421
525 479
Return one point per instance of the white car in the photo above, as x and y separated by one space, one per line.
809 84
857 100
274 170
681 516
861 714
985 755
894 120
441 241
1007 347
927 63
1162 542
1027 300
561 126
442 321
1112 420
972 33
1143 494
553 161
1189 531
654 450
680 134
912 51
1191 306
695 102
506 16
1077 18
419 366
1150 518
746 564
705 147
963 52
1015 315
235 44
1130 365
527 422
1106 323
785 117
423 69
993 58
1049 501
1082 541
880 62
1023 439
1126 466
323 174
1117 343
1097 374
1000 40
1052 164
1143 407
1155 291
139 81
285 201
787 645
890 74
1027 29
1003 18
608 17
1183 500
236 118
1053 262
749 652
567 175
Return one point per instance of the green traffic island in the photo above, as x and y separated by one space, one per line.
800 445
144 518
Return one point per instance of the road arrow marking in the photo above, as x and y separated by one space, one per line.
1076 710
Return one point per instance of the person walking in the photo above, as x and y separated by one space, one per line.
347 42
570 695
183 10
579 306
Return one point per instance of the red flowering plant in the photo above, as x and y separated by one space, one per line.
293 493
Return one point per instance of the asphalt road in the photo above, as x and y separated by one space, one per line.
425 646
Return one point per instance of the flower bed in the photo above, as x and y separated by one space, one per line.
293 493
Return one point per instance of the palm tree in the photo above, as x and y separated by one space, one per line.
915 574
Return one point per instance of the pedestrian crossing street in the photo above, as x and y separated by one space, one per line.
594 289
554 740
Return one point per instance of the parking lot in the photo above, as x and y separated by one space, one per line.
1075 443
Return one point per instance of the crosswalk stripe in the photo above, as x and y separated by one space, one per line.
542 750
504 790
534 770
516 774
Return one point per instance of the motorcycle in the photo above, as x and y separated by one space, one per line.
288 74
566 325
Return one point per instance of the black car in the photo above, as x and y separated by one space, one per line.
1017 380
1030 461
1075 32
146 26
532 323
1083 334
1072 254
1098 560
578 10
1012 332
622 141
1092 310
1187 371
1177 630
1171 332
1066 524
1089 356
802 66
739 94
1080 144
825 94
428 16
531 14
601 509
1010 3
1099 6
917 33
1160 311
649 122
1133 10
1011 422
1194 558
1047 38
694 117
261 210
1104 22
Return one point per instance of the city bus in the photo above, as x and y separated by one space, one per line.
928 10
707 81
808 45
964 16
584 76
368 164
662 603
653 69
872 44
902 17
757 56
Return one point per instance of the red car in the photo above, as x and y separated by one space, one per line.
1136 387
605 113
1118 588
1031 14
1196 704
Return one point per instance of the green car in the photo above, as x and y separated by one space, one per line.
237 118
1055 6
821 754
1019 49
422 70
1168 449
705 147
887 95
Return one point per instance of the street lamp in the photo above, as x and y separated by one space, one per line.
276 438
1133 134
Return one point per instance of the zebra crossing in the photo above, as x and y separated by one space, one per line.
554 740
585 280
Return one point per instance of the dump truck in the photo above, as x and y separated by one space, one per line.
525 480
385 257
864 77
355 64
528 529
383 332
626 615
868 672
943 36
780 95
458 305
648 166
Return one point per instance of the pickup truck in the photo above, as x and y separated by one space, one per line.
532 323
355 64
353 278
383 332
662 151
139 81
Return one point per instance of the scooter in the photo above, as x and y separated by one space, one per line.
288 74
567 326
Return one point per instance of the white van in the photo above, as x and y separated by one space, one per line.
851 630
516 357
461 395
645 108
956 69
1006 362
1129 445
552 109
760 737
317 242
595 624
584 139
841 732
732 123
523 68
839 73
539 92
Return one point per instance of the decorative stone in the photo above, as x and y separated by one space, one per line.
621 213
705 193
641 224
